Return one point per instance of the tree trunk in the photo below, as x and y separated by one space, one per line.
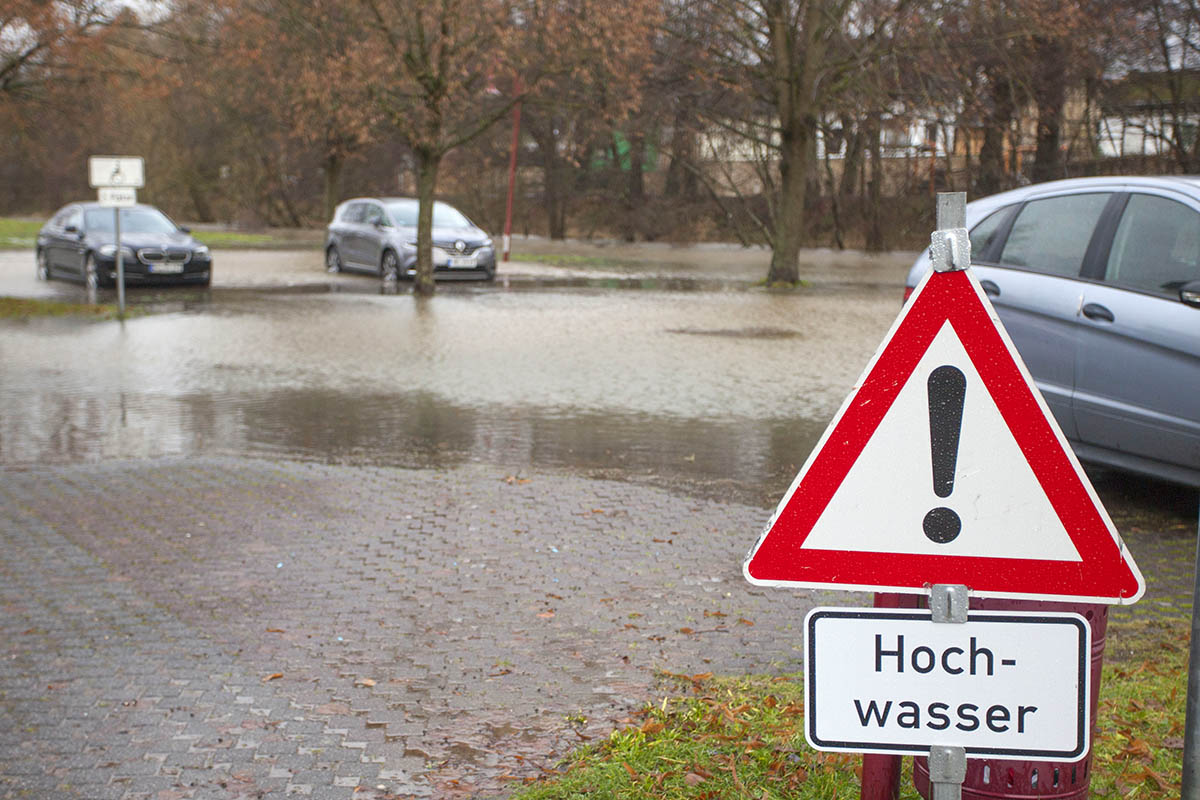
681 181
333 182
852 162
635 197
199 199
1050 93
992 174
428 161
789 213
874 238
553 195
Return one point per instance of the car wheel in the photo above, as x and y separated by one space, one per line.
333 261
389 266
43 266
489 275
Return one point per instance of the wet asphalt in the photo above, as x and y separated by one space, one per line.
305 534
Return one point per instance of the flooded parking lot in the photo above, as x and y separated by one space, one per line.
304 533
709 382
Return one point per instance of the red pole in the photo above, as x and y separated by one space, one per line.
512 179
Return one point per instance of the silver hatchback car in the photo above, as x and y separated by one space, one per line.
379 235
1097 281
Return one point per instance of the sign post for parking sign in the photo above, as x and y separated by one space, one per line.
116 180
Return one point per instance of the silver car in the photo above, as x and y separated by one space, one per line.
1097 281
378 235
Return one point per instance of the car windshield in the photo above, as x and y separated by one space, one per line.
404 214
133 220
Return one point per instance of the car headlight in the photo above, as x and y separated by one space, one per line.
200 251
110 250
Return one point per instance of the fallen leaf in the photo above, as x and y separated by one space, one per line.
745 621
555 596
686 630
273 676
546 615
652 727
715 614
632 774
275 630
597 510
1139 749
692 779
364 682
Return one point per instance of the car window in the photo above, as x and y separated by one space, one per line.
133 220
353 212
1052 235
404 212
75 217
1156 247
374 215
984 234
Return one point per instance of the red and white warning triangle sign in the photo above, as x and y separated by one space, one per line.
945 466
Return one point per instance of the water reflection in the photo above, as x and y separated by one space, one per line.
416 429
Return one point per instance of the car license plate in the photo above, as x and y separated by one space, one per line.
165 268
462 261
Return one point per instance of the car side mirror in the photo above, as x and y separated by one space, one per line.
71 229
1189 293
185 229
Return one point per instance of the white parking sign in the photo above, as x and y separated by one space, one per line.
113 171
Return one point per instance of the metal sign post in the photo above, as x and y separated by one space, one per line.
120 263
116 180
1191 735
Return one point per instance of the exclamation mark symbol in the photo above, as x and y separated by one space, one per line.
947 388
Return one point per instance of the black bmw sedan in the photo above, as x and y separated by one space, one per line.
79 243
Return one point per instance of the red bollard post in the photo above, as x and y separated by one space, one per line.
881 773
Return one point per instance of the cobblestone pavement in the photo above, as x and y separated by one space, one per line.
224 627
235 628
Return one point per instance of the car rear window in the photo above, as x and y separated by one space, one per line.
1051 235
1156 247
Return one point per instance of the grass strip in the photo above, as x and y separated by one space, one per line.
24 308
720 737
18 234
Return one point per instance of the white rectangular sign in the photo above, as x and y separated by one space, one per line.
116 171
1003 684
116 197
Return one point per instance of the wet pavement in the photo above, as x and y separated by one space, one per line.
302 534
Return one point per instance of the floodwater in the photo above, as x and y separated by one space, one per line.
662 368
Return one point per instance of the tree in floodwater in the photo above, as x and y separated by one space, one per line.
777 68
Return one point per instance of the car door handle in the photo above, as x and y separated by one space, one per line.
991 288
1098 312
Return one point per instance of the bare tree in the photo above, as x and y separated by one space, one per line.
781 65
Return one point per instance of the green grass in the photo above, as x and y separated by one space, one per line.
714 737
24 308
19 234
234 239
